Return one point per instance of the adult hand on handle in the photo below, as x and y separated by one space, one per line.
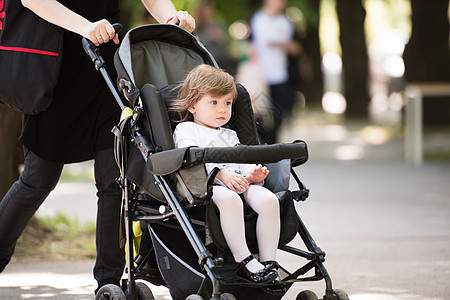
100 32
184 20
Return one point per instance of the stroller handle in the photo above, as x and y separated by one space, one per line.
99 64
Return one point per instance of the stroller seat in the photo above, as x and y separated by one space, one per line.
243 123
159 124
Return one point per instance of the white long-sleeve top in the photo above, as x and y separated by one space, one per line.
192 134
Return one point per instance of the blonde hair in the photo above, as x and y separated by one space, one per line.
202 80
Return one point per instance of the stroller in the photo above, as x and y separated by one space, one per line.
171 229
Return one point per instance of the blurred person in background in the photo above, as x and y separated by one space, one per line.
274 45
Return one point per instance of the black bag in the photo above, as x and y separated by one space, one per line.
30 58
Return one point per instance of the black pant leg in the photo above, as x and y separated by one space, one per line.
37 180
110 260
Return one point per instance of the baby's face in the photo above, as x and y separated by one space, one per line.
212 111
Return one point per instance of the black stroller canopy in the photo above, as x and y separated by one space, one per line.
153 54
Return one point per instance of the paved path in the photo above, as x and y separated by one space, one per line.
384 225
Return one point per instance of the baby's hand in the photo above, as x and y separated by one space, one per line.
258 174
233 181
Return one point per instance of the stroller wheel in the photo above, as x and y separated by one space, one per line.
227 296
340 294
194 297
307 295
143 292
110 292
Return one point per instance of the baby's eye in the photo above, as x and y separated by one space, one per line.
228 103
214 102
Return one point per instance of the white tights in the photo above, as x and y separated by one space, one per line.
231 208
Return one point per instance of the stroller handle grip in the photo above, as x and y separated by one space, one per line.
117 27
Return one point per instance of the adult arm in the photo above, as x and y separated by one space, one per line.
292 48
102 31
164 11
54 12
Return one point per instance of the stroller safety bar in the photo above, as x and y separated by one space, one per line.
163 163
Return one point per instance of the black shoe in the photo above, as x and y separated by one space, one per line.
266 275
271 264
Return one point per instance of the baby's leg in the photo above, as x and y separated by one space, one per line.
266 205
232 223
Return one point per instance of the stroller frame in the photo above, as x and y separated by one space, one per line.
174 209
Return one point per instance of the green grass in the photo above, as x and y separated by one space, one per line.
77 173
55 239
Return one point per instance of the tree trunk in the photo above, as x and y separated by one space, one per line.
11 154
312 86
351 16
427 56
